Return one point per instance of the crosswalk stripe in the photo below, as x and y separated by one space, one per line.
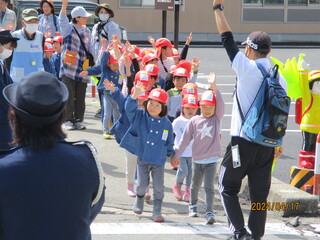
185 228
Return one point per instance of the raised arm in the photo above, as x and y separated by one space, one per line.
221 21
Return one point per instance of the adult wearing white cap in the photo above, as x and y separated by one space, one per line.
76 47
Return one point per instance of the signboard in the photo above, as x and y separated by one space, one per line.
164 5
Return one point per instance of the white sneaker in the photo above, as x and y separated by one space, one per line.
79 126
69 126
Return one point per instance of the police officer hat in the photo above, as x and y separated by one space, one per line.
39 98
7 36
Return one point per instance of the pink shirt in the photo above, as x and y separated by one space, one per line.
205 132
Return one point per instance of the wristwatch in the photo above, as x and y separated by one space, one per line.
219 6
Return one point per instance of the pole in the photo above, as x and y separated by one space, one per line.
316 185
176 25
164 24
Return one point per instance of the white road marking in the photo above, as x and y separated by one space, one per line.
184 228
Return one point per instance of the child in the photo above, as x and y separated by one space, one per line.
189 109
180 78
204 130
56 57
109 69
47 61
150 137
153 70
122 125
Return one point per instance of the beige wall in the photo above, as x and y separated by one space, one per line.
199 18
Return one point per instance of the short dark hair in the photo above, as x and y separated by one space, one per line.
13 42
164 108
74 20
312 82
35 137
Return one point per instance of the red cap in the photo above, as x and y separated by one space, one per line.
162 42
58 39
143 77
136 49
148 57
185 64
208 98
48 47
112 59
180 72
153 70
143 96
190 88
190 101
175 53
159 95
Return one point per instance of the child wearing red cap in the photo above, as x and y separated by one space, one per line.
153 71
164 53
184 173
204 131
150 137
109 69
47 58
122 125
56 57
180 78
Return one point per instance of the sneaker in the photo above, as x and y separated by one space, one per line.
98 113
177 191
186 195
130 190
210 218
193 210
107 135
69 126
79 126
246 236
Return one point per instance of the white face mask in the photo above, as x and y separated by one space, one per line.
104 17
6 53
316 88
32 27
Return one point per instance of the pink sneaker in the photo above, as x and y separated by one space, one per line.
130 190
186 195
177 191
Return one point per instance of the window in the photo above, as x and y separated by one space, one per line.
295 11
137 3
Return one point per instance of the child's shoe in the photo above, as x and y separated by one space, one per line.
138 205
157 216
193 210
107 135
186 195
177 191
130 190
210 218
147 196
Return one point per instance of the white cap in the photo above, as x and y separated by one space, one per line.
79 12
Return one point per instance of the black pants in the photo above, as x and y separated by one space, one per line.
76 102
256 162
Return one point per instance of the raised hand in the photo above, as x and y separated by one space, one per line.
189 38
109 85
138 89
195 63
212 81
151 41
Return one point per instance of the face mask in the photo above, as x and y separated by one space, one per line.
6 53
104 17
32 28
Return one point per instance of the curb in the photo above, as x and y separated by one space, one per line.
284 199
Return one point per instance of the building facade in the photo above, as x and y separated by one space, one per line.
287 21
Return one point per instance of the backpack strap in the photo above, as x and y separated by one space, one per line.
100 28
55 22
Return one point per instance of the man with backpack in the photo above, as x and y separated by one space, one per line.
245 157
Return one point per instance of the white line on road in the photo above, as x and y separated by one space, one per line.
183 228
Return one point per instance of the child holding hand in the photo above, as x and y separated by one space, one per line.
150 137
189 109
204 131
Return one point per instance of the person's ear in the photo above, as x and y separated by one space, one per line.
23 23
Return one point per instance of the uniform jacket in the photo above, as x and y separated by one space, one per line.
105 72
123 124
151 139
48 194
5 129
9 18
